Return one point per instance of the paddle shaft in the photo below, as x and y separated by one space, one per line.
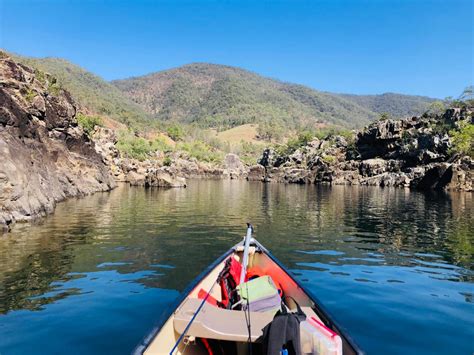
192 319
246 253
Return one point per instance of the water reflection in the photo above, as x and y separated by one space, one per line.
360 249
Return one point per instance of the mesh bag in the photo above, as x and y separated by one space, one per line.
260 294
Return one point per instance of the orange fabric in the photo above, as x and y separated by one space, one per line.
235 270
202 294
230 278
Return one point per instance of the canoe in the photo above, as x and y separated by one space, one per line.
198 318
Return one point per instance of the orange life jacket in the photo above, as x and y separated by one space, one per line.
229 278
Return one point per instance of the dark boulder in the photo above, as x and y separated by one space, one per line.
435 177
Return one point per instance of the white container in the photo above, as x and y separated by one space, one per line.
317 339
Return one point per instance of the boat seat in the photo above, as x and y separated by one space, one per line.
219 323
223 324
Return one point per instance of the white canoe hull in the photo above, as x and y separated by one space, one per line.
216 323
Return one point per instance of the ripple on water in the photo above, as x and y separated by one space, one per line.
321 252
381 260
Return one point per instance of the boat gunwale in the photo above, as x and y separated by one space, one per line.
319 309
168 312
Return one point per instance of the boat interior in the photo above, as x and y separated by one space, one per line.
198 323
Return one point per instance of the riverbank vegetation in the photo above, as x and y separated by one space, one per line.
88 123
463 139
142 142
211 146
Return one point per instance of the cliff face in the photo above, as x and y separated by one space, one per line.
414 152
44 156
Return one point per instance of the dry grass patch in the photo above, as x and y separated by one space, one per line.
245 132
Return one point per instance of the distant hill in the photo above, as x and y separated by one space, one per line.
93 94
220 96
223 96
397 105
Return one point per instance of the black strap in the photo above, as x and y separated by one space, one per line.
299 311
283 332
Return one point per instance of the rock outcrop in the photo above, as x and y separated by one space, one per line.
156 177
233 167
177 166
45 156
155 173
413 152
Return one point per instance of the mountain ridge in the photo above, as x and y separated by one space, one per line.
187 93
93 94
375 102
385 93
220 96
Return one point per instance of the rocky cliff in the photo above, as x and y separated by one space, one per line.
162 170
44 156
415 152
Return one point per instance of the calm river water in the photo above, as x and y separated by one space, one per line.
395 267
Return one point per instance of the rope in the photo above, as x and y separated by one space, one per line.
192 319
247 314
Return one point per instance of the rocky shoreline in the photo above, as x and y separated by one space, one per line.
413 152
158 172
45 155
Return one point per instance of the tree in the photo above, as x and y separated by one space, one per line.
437 107
268 131
467 95
466 98
175 132
384 116
463 139
88 123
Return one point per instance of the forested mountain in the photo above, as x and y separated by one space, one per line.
220 96
397 105
93 94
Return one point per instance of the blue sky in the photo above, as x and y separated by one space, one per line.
410 46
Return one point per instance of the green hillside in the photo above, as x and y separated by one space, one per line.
223 96
93 94
220 96
397 105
